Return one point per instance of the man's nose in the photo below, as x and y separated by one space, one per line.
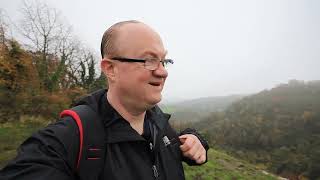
161 71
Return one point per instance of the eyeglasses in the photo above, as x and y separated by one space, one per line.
150 64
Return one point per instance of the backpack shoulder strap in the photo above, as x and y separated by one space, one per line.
92 147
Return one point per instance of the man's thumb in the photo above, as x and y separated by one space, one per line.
182 138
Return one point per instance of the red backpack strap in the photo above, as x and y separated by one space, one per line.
76 117
92 146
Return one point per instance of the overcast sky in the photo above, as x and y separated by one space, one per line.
220 47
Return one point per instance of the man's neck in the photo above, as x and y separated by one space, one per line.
128 111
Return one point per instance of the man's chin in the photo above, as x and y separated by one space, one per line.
154 101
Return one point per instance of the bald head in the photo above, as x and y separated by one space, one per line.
116 36
109 38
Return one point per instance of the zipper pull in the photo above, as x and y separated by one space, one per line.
155 171
151 146
166 141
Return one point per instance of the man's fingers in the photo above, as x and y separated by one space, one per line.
185 147
202 159
199 161
192 151
187 144
192 148
198 155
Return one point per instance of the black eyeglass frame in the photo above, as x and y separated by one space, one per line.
123 59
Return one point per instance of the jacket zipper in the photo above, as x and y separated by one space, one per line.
154 134
155 171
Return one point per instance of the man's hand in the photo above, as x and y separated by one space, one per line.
192 148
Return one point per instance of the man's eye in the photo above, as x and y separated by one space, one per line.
151 59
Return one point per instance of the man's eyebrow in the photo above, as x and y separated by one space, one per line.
154 54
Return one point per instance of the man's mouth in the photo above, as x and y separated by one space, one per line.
155 83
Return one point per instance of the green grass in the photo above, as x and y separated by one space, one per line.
223 166
219 166
12 135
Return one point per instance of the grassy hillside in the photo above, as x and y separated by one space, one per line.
277 127
12 135
223 166
220 165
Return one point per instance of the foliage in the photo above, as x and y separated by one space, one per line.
277 127
49 72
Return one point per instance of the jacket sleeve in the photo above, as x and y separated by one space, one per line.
46 154
203 142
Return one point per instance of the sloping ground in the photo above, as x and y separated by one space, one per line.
278 128
222 166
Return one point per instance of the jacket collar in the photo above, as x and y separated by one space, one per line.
119 130
157 117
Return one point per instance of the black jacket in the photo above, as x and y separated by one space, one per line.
50 153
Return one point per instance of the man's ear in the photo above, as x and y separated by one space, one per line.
108 68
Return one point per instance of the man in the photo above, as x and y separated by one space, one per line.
140 143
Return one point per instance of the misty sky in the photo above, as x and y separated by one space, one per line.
220 47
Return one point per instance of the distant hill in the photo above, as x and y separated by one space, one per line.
279 127
196 109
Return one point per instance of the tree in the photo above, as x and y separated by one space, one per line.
3 26
17 77
61 60
46 34
67 51
46 73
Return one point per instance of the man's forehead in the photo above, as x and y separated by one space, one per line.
163 54
136 36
